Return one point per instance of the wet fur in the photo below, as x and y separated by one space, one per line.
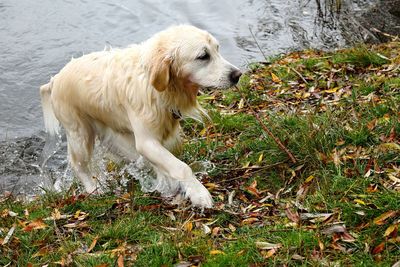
127 97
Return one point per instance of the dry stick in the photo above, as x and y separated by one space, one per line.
276 139
258 45
255 114
298 73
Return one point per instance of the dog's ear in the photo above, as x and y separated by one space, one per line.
160 73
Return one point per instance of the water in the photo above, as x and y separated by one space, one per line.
38 38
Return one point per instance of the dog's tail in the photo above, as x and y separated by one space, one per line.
51 123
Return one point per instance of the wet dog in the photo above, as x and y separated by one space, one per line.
133 98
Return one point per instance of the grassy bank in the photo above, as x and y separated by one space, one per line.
338 204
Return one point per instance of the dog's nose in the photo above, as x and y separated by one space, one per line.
235 75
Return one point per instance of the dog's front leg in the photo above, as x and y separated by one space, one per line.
148 145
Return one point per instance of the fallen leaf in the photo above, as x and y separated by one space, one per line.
346 237
93 244
120 261
8 236
267 245
35 225
379 248
188 226
392 229
215 231
275 78
383 217
252 189
249 221
216 252
292 215
270 253
206 229
334 229
297 257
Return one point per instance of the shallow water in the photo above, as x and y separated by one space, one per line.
38 38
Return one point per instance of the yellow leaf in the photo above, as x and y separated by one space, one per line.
382 218
203 132
216 252
260 158
309 179
77 214
390 230
246 164
359 201
333 90
275 78
389 147
188 226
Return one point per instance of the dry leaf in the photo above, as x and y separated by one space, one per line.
334 229
249 221
390 230
35 225
379 248
383 217
267 245
188 227
93 244
275 78
120 261
216 252
270 253
292 215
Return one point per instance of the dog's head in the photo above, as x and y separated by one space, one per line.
190 58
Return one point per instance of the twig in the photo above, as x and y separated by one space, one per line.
298 73
255 40
276 139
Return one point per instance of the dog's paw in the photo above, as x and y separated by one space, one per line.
198 194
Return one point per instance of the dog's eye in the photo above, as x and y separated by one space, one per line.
205 56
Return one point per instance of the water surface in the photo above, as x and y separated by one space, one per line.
37 38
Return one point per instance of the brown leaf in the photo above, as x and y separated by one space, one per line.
43 251
346 237
383 217
378 249
391 231
120 261
270 253
252 189
215 231
292 215
35 225
275 78
93 244
372 124
249 221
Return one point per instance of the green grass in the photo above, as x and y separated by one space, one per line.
339 117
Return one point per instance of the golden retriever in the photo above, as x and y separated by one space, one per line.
134 98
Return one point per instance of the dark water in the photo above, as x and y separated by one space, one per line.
38 37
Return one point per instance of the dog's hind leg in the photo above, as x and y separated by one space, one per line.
80 148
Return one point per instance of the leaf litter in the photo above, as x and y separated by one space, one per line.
300 84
